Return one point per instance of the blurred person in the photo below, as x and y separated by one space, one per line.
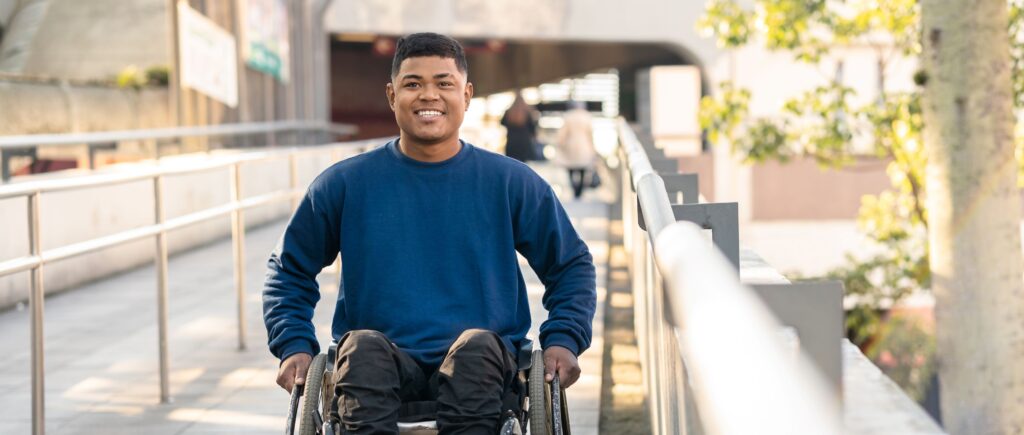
576 146
520 131
433 305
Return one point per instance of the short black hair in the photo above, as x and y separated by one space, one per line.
428 44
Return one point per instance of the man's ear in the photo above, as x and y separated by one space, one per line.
389 90
469 94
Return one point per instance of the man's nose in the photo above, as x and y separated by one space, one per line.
429 93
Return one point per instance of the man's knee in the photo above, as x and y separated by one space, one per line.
363 343
478 340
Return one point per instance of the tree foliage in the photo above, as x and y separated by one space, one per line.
825 124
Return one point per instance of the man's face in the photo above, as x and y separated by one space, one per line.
429 97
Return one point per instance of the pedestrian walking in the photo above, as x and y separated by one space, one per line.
520 131
576 146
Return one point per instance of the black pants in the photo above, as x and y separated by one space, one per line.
373 377
578 179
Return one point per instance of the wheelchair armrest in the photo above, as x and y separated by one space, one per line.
332 353
525 357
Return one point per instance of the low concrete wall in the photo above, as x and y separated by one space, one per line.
872 403
80 215
53 107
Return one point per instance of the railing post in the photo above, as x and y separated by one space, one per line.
36 315
238 241
5 161
94 147
682 188
722 218
5 168
161 290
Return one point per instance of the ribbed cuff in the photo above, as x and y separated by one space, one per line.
296 346
561 339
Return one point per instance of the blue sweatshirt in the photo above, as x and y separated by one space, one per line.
429 250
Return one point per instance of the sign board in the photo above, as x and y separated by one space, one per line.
264 37
208 56
672 94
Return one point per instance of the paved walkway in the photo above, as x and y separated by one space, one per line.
101 352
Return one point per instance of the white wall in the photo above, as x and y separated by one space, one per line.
48 107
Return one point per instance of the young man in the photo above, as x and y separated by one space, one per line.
433 304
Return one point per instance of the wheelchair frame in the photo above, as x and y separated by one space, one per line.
548 416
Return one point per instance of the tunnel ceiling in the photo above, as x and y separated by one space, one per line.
497 66
360 70
523 64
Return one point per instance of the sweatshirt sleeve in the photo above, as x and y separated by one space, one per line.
310 243
546 237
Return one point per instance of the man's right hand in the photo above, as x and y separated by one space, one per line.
293 371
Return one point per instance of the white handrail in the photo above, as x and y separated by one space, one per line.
744 377
64 139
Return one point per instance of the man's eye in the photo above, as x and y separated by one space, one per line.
411 85
447 84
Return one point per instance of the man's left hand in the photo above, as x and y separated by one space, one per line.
561 360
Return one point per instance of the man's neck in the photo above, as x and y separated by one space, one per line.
429 153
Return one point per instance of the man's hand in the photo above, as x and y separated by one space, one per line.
561 360
293 371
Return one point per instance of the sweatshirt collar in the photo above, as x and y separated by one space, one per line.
397 153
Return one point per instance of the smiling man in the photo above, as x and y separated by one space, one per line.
433 303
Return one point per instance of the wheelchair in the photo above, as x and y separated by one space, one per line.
541 405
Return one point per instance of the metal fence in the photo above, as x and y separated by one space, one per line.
714 358
26 145
37 258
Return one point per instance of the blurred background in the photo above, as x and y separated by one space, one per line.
805 114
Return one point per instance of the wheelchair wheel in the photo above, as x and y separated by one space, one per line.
539 411
311 396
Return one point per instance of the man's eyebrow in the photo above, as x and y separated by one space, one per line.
412 76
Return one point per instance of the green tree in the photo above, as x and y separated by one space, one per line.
823 124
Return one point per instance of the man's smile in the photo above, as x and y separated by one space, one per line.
429 113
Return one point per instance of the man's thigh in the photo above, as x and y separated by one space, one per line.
372 373
474 379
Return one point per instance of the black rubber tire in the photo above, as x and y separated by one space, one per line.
311 396
539 409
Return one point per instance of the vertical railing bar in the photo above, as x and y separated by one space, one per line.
666 357
161 289
5 169
36 316
651 334
659 348
238 243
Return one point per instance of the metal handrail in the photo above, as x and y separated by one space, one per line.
162 168
37 257
33 140
745 377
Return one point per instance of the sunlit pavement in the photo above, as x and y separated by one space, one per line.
101 349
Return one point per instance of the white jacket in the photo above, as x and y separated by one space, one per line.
576 140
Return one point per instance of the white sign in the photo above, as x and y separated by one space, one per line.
208 59
264 37
675 106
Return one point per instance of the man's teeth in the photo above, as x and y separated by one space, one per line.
429 113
